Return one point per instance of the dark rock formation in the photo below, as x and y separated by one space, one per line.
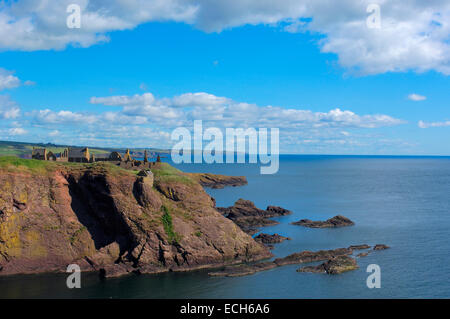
296 258
273 211
107 219
362 254
311 256
359 247
249 218
217 181
333 266
244 270
336 221
270 239
380 247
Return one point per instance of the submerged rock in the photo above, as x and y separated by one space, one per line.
336 221
244 270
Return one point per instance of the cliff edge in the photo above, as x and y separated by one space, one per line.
111 220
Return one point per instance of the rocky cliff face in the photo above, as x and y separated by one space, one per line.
108 219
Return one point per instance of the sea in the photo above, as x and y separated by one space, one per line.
403 202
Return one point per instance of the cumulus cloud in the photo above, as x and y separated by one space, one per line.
17 131
200 99
423 124
416 97
8 80
123 100
414 35
48 116
8 108
222 111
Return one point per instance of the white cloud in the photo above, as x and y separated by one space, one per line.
414 35
423 124
200 99
48 116
222 111
8 108
140 119
8 80
17 131
416 97
122 100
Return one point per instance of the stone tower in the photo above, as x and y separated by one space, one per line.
127 156
145 157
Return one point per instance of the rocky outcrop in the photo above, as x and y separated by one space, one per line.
217 181
270 239
336 221
107 219
359 247
296 258
249 218
380 247
333 266
312 256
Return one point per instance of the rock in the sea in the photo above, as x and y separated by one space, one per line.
272 211
296 258
362 254
311 256
243 270
359 247
333 266
380 247
249 218
217 181
336 221
270 239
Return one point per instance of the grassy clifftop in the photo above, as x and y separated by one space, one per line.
37 167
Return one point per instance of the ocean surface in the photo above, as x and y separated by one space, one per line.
403 202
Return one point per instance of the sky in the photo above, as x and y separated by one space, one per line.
334 77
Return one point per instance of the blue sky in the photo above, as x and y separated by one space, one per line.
385 96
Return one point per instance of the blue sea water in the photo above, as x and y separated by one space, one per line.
403 202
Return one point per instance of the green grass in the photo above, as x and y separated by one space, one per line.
12 163
166 220
167 174
15 164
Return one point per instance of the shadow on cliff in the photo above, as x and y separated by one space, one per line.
95 208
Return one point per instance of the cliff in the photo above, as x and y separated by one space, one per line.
110 220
